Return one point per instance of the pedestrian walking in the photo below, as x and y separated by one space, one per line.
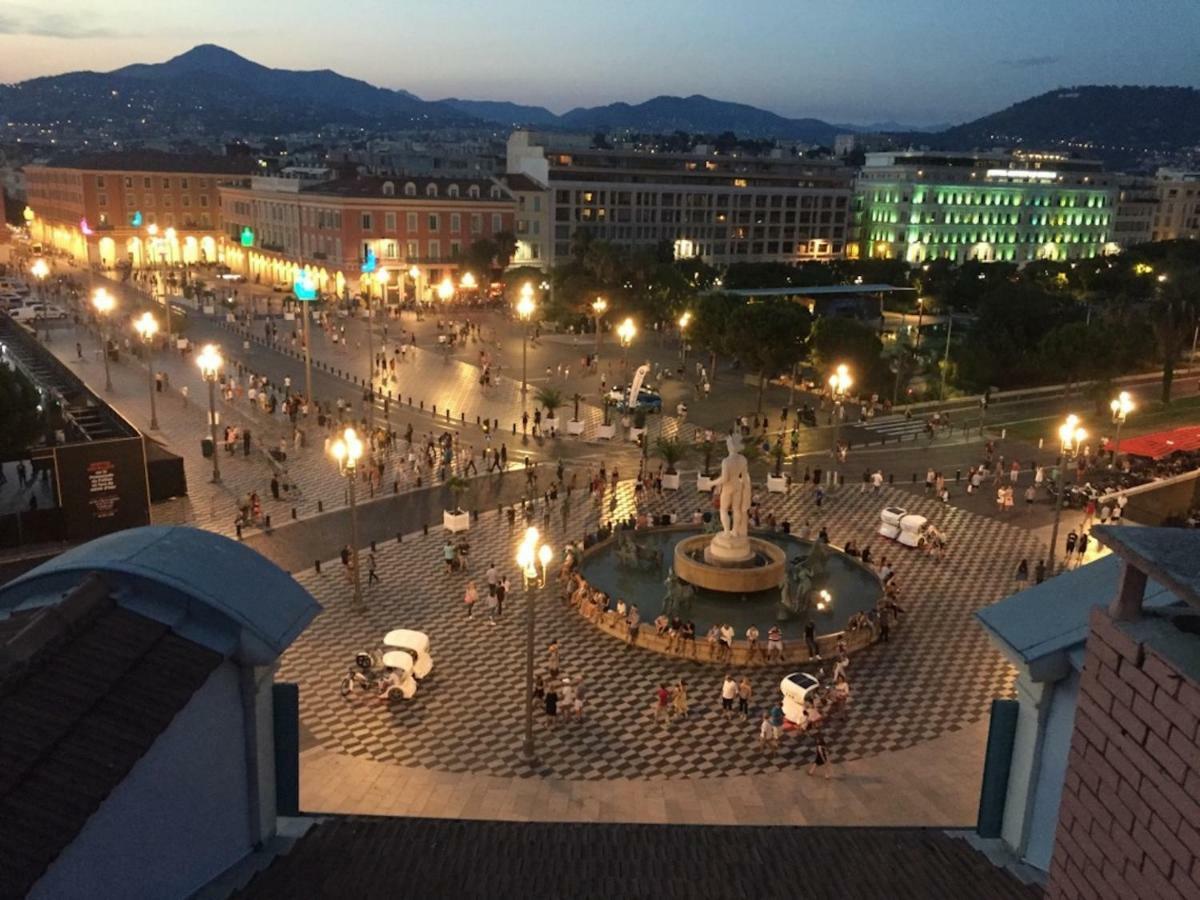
744 693
470 597
729 693
372 575
820 759
767 742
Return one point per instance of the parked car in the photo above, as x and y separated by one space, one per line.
648 399
29 311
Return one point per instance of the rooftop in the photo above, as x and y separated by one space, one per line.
371 857
520 182
154 161
374 186
1170 556
86 687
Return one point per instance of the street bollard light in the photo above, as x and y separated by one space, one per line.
210 364
1121 406
104 304
1070 439
529 556
525 308
147 327
599 307
347 450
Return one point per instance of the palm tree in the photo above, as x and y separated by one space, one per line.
671 451
550 399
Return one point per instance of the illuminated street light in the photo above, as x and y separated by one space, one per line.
684 321
626 332
348 450
40 269
1121 406
147 327
1070 439
210 364
599 307
467 282
529 556
104 304
839 383
446 289
525 308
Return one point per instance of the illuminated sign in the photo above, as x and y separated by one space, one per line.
305 286
1022 173
84 227
136 221
247 237
369 263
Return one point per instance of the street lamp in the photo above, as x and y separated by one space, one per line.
347 450
40 270
626 331
529 555
839 383
305 290
525 308
599 307
920 316
445 289
414 273
467 282
104 303
210 363
1121 406
147 327
1070 438
684 321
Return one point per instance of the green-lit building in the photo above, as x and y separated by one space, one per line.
924 205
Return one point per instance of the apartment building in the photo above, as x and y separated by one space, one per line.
138 207
1178 213
716 207
417 227
923 205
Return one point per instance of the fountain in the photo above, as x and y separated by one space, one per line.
730 560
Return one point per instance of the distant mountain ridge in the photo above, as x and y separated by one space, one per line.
210 89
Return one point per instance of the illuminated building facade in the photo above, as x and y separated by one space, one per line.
139 208
721 208
923 205
327 226
1178 213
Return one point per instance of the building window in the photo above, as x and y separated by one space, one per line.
185 200
204 199
166 184
452 191
183 183
431 190
410 189
366 221
99 181
537 203
410 222
146 183
435 250
102 199
412 250
476 223
473 192
494 193
497 222
389 250
389 221
433 222
455 223
455 249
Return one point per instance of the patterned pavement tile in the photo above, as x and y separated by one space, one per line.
938 673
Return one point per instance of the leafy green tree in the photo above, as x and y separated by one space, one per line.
1173 314
769 336
1067 352
23 421
710 325
550 399
836 340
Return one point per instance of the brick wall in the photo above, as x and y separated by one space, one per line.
1129 823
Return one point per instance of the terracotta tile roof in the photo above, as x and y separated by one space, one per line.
371 857
86 687
373 185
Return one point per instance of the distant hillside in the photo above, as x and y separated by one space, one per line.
1113 123
502 113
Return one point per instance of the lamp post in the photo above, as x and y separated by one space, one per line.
525 307
529 556
839 383
104 303
415 274
305 290
347 450
920 317
147 327
1070 439
382 277
599 307
210 363
445 289
40 270
468 282
684 321
626 331
1121 406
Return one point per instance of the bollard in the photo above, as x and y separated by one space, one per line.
425 528
410 403
293 512
267 522
239 530
514 429
372 546
435 411
891 478
477 420
399 538
395 487
841 480
464 418
410 399
317 566
958 475
320 506
447 414
914 478
1003 433
418 481
475 514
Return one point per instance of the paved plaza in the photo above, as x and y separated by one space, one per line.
936 677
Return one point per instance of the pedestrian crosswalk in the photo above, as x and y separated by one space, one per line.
893 426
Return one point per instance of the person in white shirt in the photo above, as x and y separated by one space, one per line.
729 692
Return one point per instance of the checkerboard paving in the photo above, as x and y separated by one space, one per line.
938 673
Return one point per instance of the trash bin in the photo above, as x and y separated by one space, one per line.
206 447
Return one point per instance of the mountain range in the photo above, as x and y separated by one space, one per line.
212 90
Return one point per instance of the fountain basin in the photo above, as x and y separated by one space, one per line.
761 568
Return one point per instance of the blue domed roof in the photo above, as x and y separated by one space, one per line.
208 588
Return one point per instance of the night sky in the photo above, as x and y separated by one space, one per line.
916 62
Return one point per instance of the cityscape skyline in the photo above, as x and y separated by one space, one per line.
852 65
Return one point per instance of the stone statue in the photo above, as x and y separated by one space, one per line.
795 592
733 543
677 604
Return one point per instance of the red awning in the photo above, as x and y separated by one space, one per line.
1163 443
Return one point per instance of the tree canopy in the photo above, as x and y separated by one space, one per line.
23 421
